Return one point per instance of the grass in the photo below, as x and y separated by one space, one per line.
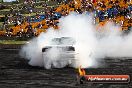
5 10
12 42
38 7
32 14
1 23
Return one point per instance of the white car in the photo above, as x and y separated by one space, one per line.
60 53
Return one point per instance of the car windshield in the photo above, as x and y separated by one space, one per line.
63 41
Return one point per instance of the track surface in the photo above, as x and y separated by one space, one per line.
16 73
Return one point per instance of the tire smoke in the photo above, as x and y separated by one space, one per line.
91 44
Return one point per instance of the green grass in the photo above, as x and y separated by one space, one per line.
38 7
12 42
1 23
5 10
32 14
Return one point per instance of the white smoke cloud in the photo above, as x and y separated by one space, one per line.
91 44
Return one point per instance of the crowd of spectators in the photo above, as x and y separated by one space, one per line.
119 11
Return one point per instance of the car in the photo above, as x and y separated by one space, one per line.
59 53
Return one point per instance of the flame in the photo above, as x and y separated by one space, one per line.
81 71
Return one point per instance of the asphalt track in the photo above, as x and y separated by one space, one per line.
16 73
